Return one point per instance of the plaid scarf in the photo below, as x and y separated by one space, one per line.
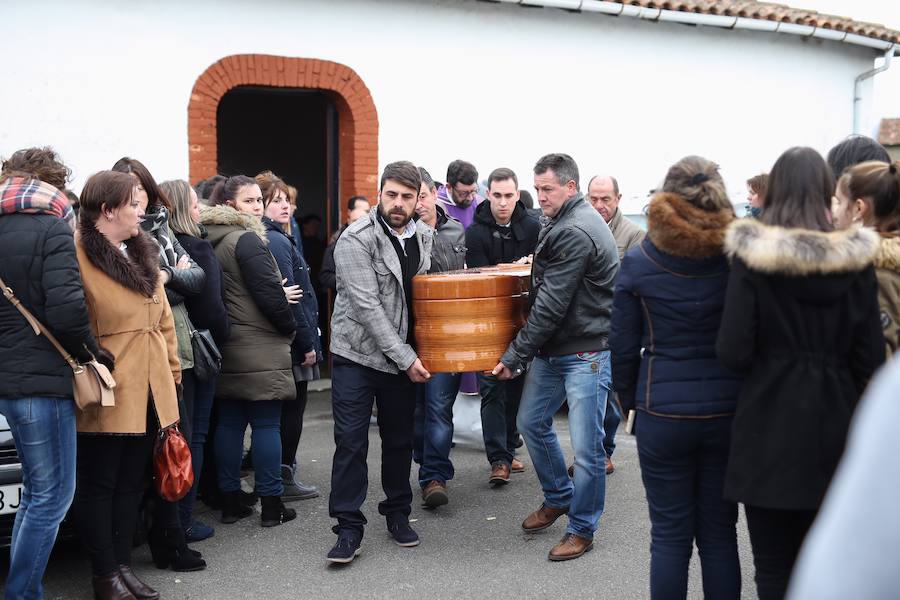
32 196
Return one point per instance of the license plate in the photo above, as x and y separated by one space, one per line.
10 498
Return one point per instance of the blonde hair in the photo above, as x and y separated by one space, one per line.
178 191
697 180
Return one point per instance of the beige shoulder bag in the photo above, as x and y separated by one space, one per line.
92 383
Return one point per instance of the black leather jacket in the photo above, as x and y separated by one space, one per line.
575 266
449 250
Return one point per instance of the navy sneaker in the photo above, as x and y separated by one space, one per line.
403 534
198 531
345 550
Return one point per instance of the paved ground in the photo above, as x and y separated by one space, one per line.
471 548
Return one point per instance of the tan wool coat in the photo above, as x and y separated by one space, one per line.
131 317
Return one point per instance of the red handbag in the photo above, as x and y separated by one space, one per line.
172 466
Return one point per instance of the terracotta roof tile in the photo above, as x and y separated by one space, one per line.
889 132
773 12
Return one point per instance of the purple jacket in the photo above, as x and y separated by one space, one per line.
463 215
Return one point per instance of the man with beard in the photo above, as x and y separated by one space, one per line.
459 197
374 356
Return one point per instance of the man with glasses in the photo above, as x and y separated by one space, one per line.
459 197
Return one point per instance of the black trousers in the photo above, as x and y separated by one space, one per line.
292 424
776 537
499 408
353 387
111 476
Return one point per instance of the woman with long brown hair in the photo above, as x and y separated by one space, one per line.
801 324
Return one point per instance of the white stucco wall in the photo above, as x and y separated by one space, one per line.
495 84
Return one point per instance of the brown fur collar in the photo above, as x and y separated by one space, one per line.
888 256
138 271
679 228
797 252
222 214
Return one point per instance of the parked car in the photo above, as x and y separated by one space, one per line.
10 483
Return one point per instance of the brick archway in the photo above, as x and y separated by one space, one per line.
357 117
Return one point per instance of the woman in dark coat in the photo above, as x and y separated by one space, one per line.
306 350
206 310
668 300
801 322
256 374
38 264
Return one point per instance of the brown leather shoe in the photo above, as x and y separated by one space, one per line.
571 546
434 494
499 473
610 467
543 518
138 588
111 587
517 466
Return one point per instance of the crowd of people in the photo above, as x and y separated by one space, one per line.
738 348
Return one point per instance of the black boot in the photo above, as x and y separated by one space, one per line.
168 548
232 508
274 512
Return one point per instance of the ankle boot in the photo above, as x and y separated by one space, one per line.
111 587
232 508
168 548
274 512
138 588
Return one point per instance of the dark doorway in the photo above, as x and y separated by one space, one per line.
293 133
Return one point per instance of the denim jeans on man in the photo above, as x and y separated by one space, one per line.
438 396
582 379
44 432
683 468
499 408
353 388
264 418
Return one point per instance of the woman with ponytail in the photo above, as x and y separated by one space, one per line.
868 194
668 300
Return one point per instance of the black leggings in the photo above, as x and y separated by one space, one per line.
292 424
776 537
111 477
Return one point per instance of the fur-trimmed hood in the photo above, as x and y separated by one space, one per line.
679 228
800 252
230 218
138 271
888 256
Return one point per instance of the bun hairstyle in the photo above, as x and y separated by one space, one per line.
270 184
697 180
877 184
228 189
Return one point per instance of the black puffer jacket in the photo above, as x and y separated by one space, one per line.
575 265
490 244
207 309
38 262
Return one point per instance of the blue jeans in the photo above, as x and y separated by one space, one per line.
438 397
583 380
683 468
264 418
204 392
44 432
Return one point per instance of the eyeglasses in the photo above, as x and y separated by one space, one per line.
465 193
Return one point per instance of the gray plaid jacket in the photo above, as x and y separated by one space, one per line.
370 319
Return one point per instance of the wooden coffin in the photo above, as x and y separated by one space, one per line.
464 320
